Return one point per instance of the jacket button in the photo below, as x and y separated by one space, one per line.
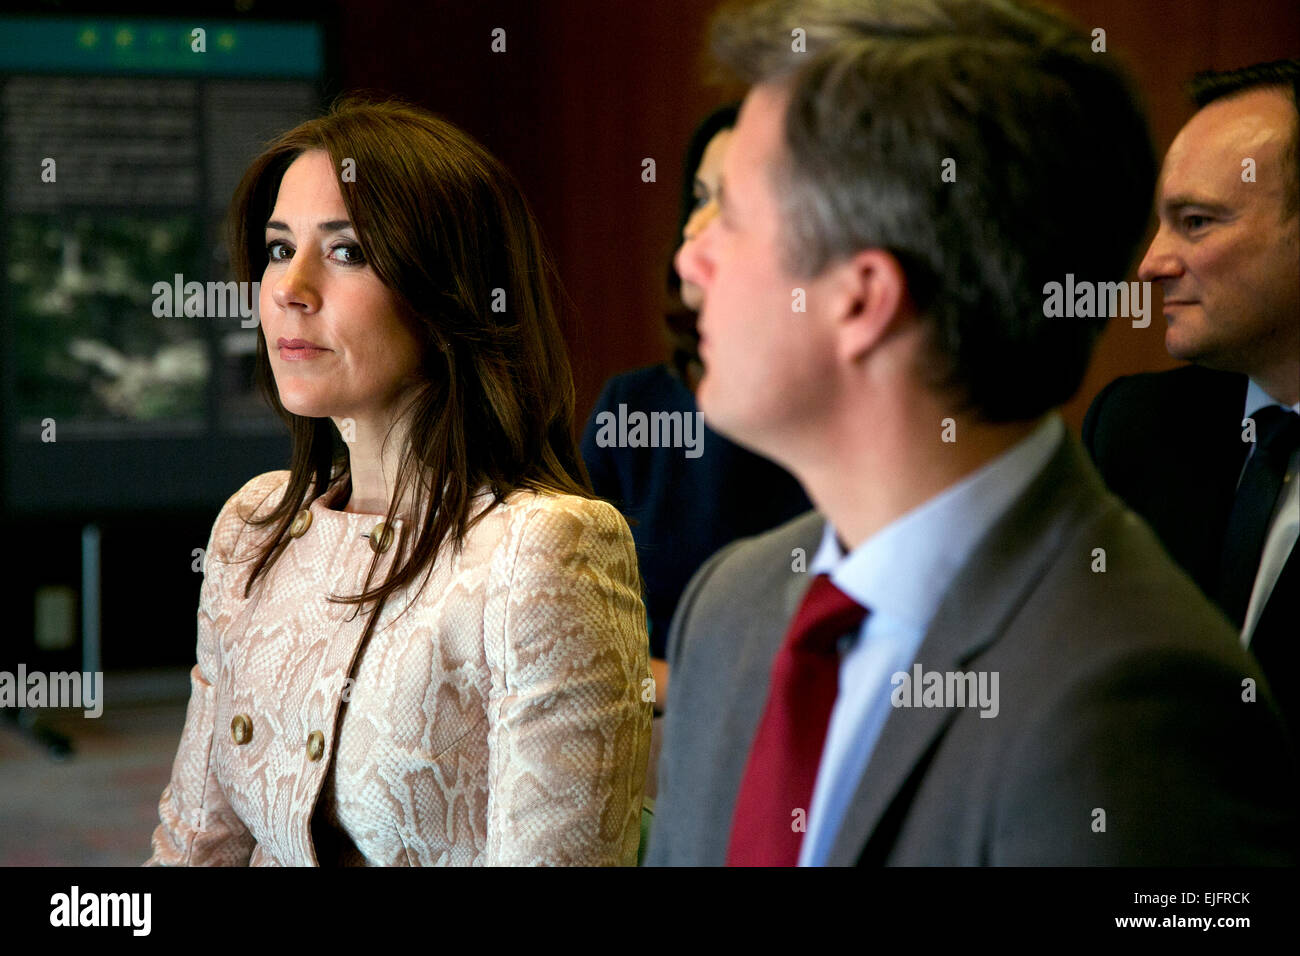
241 729
381 537
315 745
301 522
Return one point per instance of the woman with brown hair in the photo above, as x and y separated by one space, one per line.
423 643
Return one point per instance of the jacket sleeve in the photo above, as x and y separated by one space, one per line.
570 714
661 850
198 826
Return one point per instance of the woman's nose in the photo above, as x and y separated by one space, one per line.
691 261
295 286
699 220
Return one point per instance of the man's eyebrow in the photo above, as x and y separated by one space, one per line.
1175 204
333 225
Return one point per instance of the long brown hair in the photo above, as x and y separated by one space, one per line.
446 228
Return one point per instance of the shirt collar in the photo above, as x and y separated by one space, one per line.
903 570
1257 398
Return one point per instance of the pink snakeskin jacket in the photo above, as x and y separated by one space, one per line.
500 720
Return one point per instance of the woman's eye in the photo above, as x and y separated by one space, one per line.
352 254
271 247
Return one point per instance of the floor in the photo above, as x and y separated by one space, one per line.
99 805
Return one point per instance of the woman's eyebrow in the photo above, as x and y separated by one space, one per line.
333 225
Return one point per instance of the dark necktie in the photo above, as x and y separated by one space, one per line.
777 786
1277 433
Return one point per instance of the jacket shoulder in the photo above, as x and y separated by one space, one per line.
756 558
1186 389
1136 654
1158 418
745 585
540 528
258 497
550 509
1097 623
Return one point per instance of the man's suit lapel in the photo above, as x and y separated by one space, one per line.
992 585
749 668
795 588
752 669
1274 641
1219 458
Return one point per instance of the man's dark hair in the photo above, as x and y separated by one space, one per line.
1210 85
1054 167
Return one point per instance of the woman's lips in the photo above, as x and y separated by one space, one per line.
297 350
298 355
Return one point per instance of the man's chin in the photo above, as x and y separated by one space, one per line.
1200 353
706 400
1179 346
731 426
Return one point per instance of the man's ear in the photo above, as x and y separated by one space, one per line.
868 295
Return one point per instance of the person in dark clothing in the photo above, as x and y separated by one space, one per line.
1209 454
683 503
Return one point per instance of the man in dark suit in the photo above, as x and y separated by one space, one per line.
1208 453
972 653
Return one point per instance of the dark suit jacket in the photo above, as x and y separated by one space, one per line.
681 510
1169 444
1120 692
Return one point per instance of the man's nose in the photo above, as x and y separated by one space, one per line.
1160 261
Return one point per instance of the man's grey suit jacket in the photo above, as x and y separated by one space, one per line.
1122 736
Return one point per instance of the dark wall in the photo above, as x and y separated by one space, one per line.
584 92
587 89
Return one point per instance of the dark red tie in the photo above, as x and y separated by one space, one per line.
776 790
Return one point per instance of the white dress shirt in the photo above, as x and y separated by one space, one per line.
1284 527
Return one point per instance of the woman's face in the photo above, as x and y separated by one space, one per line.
706 204
339 343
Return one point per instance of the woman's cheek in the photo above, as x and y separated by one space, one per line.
265 304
